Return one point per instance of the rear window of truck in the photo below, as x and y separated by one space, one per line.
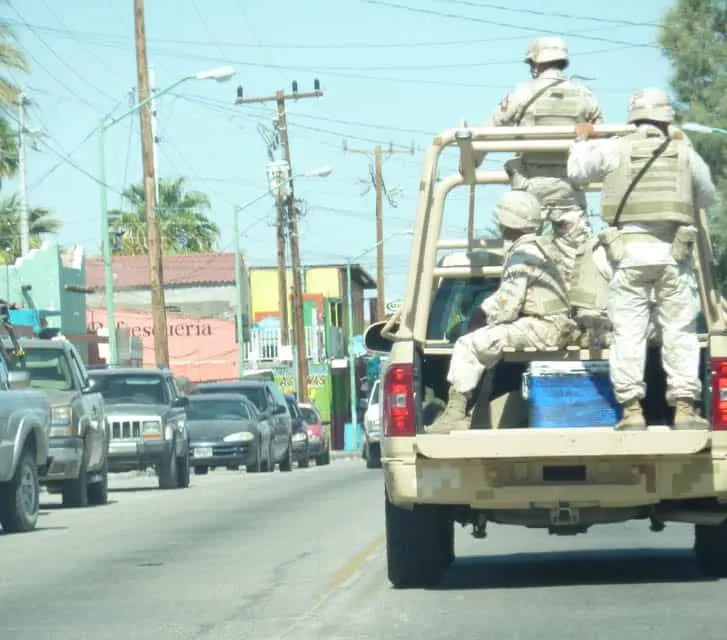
454 303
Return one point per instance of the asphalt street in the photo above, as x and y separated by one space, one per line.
300 555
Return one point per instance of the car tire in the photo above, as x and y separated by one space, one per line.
414 545
286 464
270 467
183 470
20 498
201 470
257 467
304 463
75 492
323 459
98 492
167 471
373 457
710 549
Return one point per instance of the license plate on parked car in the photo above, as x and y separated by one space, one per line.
203 452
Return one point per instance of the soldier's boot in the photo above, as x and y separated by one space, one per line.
633 418
454 417
685 416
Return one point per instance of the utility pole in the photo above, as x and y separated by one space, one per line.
280 99
154 131
278 176
378 180
154 245
23 171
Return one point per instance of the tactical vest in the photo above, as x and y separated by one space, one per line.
547 295
589 286
559 105
663 193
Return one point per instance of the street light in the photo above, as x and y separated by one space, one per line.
220 74
322 172
695 127
349 314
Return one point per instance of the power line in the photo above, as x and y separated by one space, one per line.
507 25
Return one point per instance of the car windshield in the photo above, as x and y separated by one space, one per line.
49 369
206 409
310 416
256 395
136 389
454 303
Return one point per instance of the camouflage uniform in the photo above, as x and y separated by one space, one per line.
529 309
561 102
649 248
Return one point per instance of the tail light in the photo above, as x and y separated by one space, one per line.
399 418
719 394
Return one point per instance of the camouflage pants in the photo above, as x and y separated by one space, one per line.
482 349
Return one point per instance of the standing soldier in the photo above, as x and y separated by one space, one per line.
550 99
653 180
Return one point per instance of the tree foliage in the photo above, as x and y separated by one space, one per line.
183 221
42 223
693 35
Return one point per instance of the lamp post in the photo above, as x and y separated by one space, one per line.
695 127
322 172
349 314
220 74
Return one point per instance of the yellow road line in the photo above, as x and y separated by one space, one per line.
355 563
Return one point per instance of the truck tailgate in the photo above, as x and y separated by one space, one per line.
596 442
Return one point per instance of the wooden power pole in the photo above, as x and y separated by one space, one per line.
291 213
154 244
379 187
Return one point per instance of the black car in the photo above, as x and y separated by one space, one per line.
226 430
270 402
300 432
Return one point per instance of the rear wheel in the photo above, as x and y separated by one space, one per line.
323 459
183 470
98 492
304 463
286 464
19 498
417 545
167 470
710 549
201 470
373 456
75 492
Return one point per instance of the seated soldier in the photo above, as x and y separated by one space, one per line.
529 309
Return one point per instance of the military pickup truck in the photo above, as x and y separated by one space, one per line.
147 421
78 433
24 453
513 467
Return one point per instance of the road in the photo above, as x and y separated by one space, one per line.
300 555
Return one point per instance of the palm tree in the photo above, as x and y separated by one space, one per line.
183 223
11 59
8 150
41 223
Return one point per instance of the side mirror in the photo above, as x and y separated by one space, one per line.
182 401
19 379
373 339
280 410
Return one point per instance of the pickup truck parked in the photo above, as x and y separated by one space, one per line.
24 452
517 466
78 434
147 423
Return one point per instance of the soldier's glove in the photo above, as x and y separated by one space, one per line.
478 319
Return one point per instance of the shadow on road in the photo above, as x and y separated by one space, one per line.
57 506
36 530
132 489
598 567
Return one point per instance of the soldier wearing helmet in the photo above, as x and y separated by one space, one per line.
550 99
529 309
653 182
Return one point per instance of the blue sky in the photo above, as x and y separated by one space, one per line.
393 72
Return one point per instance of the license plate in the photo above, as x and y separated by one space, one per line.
203 452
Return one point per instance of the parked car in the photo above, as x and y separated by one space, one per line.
78 434
147 423
226 430
300 434
270 402
372 429
318 445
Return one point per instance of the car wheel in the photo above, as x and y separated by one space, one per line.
304 463
98 492
373 459
167 471
710 549
257 467
286 464
271 460
183 470
20 498
201 470
75 492
323 459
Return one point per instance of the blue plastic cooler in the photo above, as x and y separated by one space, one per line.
570 395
